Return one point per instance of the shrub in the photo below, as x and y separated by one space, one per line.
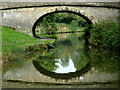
50 23
74 25
105 34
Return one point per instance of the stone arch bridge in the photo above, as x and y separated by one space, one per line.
23 17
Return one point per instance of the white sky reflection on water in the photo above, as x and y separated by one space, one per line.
67 69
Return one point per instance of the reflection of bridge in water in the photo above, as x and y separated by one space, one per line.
62 75
23 16
69 59
29 73
41 68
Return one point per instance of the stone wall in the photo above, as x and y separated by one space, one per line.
8 5
23 19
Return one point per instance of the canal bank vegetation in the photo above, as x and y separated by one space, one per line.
60 23
16 44
105 42
105 60
45 36
105 34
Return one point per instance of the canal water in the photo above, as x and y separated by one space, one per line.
72 63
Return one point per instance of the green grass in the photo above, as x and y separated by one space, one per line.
12 40
46 36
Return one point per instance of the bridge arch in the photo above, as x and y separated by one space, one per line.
60 11
24 19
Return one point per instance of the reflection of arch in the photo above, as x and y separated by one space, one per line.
79 14
62 76
84 69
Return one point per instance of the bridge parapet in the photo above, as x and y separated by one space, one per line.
12 5
23 18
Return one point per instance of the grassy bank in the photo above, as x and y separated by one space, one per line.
45 36
14 44
105 34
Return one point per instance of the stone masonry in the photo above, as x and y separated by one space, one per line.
23 19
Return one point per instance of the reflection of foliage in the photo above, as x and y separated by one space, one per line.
48 64
80 60
65 62
64 51
68 46
75 48
74 39
47 61
83 54
105 60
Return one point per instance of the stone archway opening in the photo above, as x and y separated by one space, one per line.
89 22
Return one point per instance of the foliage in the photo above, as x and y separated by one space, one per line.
47 61
86 32
74 25
50 45
105 60
51 22
105 34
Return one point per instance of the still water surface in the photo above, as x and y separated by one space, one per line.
71 59
69 55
